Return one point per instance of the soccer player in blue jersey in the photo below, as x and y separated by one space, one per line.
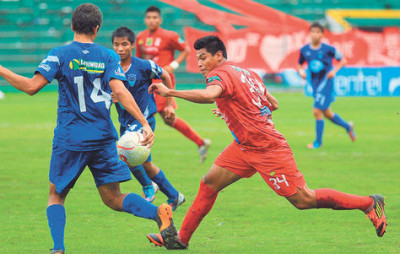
140 74
319 57
87 73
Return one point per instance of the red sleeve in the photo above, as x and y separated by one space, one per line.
139 42
177 42
220 79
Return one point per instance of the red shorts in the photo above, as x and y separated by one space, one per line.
161 102
276 166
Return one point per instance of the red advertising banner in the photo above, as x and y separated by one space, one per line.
272 39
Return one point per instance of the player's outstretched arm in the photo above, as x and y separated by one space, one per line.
341 63
169 109
125 98
301 71
208 95
27 85
272 100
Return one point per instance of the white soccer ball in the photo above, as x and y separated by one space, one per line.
131 151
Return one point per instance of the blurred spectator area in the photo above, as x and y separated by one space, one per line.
29 28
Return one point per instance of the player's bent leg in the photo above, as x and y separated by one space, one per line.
214 181
184 128
175 198
373 206
147 185
167 121
111 196
336 119
303 199
319 128
56 218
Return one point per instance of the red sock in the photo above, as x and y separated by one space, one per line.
328 198
184 128
202 204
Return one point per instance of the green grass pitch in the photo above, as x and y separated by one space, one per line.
247 217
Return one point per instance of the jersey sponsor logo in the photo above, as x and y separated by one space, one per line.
316 66
119 72
88 66
85 51
45 67
157 42
51 59
140 42
213 78
240 70
149 41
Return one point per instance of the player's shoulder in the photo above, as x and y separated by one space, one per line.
168 33
221 72
142 33
327 46
305 47
141 63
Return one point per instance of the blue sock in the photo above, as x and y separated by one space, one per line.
319 129
136 205
56 218
141 175
339 121
165 185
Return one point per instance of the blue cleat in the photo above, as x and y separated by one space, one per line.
149 193
174 203
314 145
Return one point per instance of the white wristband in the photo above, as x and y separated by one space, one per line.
174 64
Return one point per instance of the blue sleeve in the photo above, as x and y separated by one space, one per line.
337 55
301 57
50 66
154 71
114 69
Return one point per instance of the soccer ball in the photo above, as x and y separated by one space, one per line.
130 150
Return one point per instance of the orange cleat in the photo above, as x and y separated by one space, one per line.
351 132
377 214
156 239
166 225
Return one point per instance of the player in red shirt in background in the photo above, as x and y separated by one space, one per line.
245 105
159 45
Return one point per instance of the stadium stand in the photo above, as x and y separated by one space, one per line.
29 28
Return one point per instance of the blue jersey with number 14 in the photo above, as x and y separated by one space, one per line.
83 71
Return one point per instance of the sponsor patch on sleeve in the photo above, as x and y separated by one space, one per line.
213 78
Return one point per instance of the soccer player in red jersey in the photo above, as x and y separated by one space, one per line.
244 103
159 45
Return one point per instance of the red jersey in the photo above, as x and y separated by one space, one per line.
245 107
159 46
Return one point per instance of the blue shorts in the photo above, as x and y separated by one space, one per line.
66 166
136 126
323 94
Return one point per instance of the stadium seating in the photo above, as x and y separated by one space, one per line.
29 28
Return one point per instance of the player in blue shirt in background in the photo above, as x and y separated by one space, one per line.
140 74
319 57
87 73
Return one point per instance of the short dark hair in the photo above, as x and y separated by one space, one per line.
153 9
85 18
212 44
123 31
317 25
